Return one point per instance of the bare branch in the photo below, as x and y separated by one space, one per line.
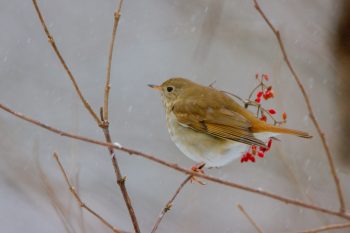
78 199
178 168
169 204
250 219
121 180
65 66
326 228
103 123
110 57
309 106
61 211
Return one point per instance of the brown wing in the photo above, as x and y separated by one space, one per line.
216 121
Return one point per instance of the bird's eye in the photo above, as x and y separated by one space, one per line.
169 89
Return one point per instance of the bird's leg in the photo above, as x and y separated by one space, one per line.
199 169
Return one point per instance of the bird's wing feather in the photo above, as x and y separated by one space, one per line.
216 121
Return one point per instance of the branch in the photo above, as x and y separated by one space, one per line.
65 66
110 56
121 180
102 123
105 126
178 168
78 199
257 228
309 107
169 204
326 228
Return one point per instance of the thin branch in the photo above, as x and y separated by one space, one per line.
61 211
78 199
169 204
178 168
250 219
105 126
326 228
110 57
309 107
65 66
121 180
103 123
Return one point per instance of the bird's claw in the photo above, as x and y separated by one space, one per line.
198 168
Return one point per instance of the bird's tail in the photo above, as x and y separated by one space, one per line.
276 129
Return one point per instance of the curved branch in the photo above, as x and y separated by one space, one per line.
169 204
65 66
78 199
178 168
309 107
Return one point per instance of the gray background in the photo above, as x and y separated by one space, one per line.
203 40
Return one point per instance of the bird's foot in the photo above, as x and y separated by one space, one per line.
198 168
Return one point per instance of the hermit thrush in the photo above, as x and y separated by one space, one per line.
208 126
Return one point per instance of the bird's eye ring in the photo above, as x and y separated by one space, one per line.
169 89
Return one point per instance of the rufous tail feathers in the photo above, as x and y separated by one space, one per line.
257 128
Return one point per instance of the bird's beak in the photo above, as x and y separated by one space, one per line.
155 87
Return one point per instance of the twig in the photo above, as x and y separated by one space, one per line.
110 56
121 180
103 123
169 204
178 168
59 56
326 228
61 211
309 107
260 109
78 199
257 228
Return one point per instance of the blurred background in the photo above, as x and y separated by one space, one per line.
204 40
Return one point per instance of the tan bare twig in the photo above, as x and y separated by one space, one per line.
78 199
110 57
103 123
250 219
65 66
309 106
178 168
61 211
169 204
121 180
326 228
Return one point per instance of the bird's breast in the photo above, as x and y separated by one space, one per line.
202 147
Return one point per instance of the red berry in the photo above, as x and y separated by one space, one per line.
272 111
268 94
269 143
258 100
263 118
284 116
259 94
261 154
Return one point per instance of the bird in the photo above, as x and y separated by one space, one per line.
210 127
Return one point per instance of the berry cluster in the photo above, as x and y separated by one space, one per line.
262 92
253 151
